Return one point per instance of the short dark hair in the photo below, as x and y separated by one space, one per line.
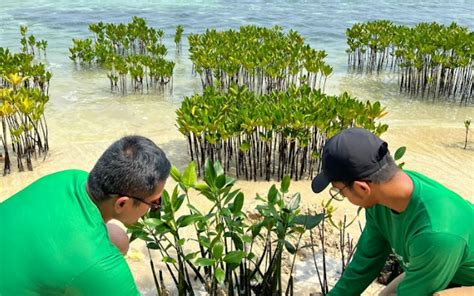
132 165
383 175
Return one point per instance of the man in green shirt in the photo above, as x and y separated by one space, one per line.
427 226
53 236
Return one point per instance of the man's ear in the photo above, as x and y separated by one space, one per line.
120 204
362 187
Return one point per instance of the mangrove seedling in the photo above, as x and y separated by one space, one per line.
467 124
178 36
223 254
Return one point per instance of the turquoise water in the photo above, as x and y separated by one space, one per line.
323 24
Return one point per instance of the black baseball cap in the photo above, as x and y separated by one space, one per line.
350 155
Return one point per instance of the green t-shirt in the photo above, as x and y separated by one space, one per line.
433 240
53 241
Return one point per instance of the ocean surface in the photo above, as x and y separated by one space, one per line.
323 25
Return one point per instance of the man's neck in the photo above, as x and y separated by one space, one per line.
396 194
103 207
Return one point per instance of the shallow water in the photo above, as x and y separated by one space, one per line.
84 117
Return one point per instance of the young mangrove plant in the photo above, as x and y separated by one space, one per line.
177 37
262 59
467 124
28 44
24 89
130 52
430 59
277 134
228 253
345 244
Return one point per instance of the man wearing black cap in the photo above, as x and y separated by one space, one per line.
428 227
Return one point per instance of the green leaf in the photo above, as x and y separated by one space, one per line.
152 222
239 244
308 221
205 262
133 237
163 228
220 275
238 203
399 153
181 241
184 221
204 241
234 257
285 184
294 202
225 212
289 246
217 250
193 209
189 176
190 256
209 172
209 195
230 196
299 229
256 228
218 168
202 187
152 245
247 239
169 260
143 235
251 256
272 194
221 181
175 174
178 202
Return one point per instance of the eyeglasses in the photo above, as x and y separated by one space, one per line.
154 206
336 193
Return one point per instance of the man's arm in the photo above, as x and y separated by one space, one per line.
369 258
110 276
434 259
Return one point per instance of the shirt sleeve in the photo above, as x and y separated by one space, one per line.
110 276
434 259
369 258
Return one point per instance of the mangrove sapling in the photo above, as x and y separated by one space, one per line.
467 124
430 59
22 109
345 244
262 59
322 275
123 49
177 37
225 259
308 222
270 135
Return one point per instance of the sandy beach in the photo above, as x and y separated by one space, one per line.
434 151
